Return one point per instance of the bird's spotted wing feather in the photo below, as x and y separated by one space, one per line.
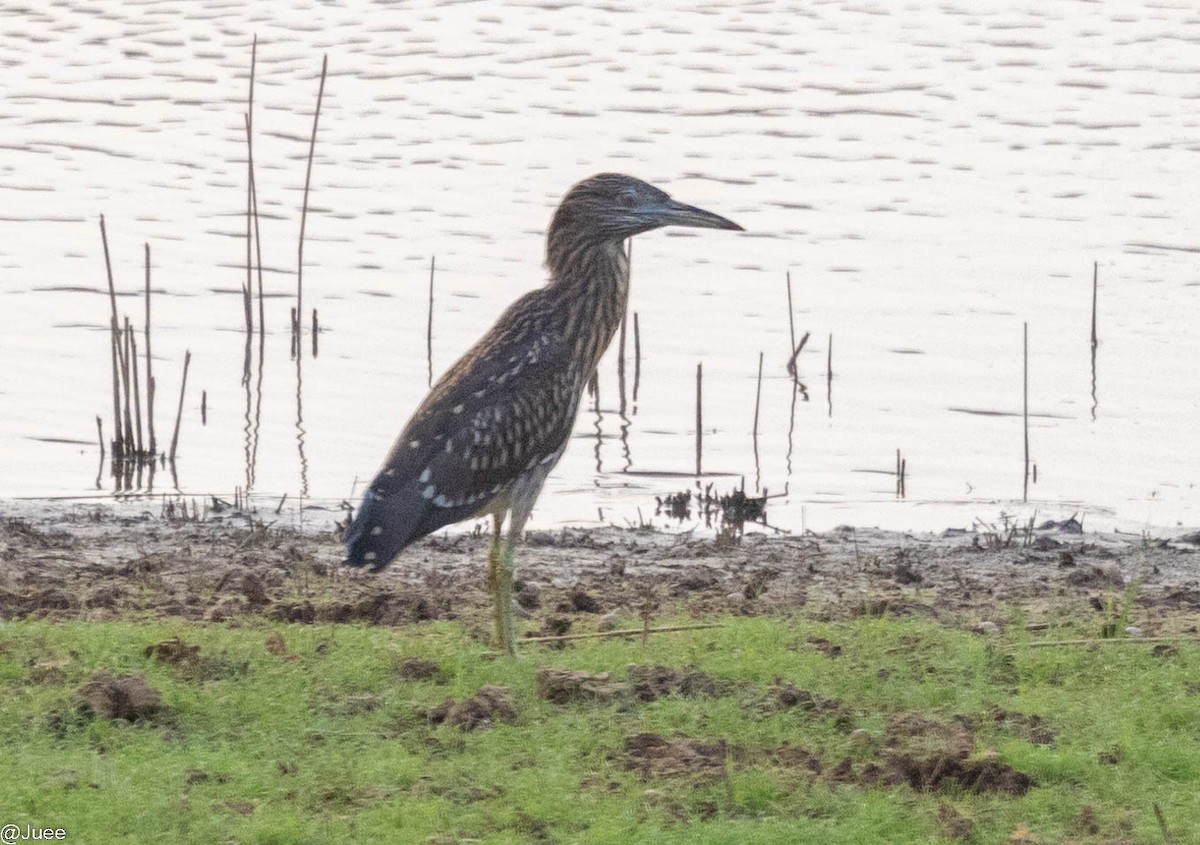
505 407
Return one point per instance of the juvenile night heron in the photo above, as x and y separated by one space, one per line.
493 427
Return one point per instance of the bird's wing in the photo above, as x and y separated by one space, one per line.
506 406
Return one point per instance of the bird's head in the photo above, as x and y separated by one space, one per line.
612 206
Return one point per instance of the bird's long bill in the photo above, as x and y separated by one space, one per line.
674 213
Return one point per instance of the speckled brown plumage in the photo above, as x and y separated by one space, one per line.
494 425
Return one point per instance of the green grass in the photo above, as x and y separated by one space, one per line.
332 746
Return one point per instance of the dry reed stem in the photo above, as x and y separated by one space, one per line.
699 417
1025 406
153 446
187 360
312 146
429 321
118 440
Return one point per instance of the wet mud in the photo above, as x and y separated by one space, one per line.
92 564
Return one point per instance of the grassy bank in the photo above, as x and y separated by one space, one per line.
871 730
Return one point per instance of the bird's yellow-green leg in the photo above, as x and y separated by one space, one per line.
505 628
500 565
494 585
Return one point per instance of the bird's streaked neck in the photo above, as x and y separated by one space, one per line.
594 279
585 264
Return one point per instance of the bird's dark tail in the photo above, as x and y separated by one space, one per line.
385 524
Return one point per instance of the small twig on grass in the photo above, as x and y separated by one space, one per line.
1168 839
1109 641
627 632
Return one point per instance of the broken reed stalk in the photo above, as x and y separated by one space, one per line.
829 374
757 398
122 348
312 146
1095 339
131 337
429 321
1025 407
1095 294
118 441
153 446
637 355
316 328
248 291
791 367
257 233
621 344
699 416
187 360
626 632
100 436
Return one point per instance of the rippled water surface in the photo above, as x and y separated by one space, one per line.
932 178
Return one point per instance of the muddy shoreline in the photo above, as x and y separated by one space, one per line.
98 563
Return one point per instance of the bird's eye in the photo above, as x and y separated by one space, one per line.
627 198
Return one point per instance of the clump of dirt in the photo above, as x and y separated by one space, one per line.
19 533
255 590
650 683
786 696
529 597
106 597
929 755
174 651
824 646
793 756
934 772
1181 599
651 754
560 686
894 606
553 626
419 669
903 573
39 603
695 579
923 734
126 697
299 612
386 608
1095 576
1030 726
579 601
489 705
49 671
190 664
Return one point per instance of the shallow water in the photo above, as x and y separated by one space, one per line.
932 179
